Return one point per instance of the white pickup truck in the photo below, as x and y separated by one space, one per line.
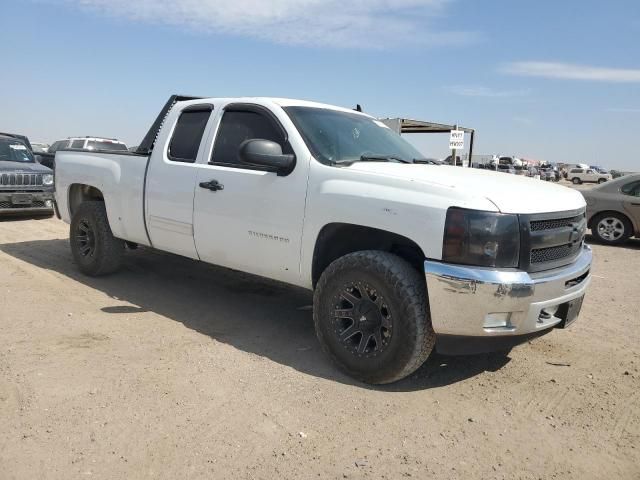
402 255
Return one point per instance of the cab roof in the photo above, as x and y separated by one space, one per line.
146 146
282 102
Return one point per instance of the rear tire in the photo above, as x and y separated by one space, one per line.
372 317
611 228
94 248
576 181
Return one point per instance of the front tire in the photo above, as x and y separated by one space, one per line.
602 180
611 228
372 318
94 248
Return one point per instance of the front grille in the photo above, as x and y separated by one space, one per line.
34 204
551 254
551 240
21 179
537 225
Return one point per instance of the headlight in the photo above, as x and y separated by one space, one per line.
486 239
47 179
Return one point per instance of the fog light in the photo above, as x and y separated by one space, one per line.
498 320
48 203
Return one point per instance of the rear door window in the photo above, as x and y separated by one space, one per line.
188 133
77 144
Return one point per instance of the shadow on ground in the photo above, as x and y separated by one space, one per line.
250 313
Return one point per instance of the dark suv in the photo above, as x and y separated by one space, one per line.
25 185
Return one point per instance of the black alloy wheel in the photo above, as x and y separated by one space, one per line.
363 322
86 238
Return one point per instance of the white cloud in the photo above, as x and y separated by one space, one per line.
568 71
336 23
479 91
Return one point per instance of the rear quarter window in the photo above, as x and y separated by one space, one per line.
188 133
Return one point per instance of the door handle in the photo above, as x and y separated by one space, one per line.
212 185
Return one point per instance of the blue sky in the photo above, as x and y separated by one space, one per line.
553 80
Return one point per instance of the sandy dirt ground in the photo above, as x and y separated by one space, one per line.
175 369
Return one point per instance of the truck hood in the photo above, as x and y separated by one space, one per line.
25 167
509 193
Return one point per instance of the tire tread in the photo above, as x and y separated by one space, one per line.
111 248
402 277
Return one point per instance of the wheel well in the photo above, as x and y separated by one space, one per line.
338 239
79 193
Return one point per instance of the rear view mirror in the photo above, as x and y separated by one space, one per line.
265 153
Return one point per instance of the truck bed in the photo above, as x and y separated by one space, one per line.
121 179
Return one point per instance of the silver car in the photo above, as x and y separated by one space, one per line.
613 209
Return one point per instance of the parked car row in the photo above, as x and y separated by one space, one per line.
26 170
82 143
550 174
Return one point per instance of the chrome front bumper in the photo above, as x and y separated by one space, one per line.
482 302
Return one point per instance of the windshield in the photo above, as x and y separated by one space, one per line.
100 145
12 150
336 137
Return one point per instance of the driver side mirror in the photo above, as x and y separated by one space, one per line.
265 153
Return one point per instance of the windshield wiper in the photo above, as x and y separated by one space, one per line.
372 158
427 161
382 158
